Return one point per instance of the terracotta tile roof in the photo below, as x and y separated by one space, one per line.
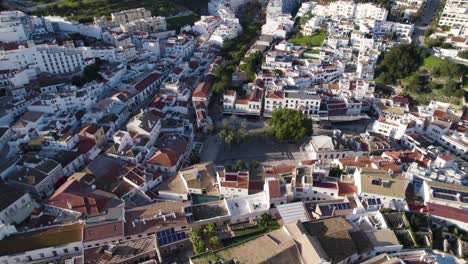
400 99
164 158
236 180
103 231
80 197
448 212
203 89
346 189
39 239
85 145
275 95
134 224
362 161
446 157
91 128
177 70
274 188
309 162
242 101
147 81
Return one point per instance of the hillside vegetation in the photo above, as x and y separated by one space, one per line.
423 77
86 10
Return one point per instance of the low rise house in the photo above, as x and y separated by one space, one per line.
381 189
251 104
167 220
446 202
93 132
80 197
55 243
38 176
122 252
232 184
16 205
247 208
104 228
200 178
332 147
146 123
332 239
171 151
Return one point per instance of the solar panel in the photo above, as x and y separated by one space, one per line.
444 196
378 201
169 236
371 201
339 206
440 190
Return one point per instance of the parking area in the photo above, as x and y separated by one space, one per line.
263 149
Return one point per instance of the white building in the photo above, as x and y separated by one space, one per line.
455 14
379 188
370 11
151 24
17 205
331 147
180 46
47 58
130 15
146 123
247 208
14 26
232 184
43 245
447 202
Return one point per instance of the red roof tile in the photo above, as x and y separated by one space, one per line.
448 212
147 81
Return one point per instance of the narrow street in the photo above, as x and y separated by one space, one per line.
423 23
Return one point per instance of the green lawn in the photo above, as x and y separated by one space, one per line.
246 234
315 40
85 10
432 61
177 22
312 51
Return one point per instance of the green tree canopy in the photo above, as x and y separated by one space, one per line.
399 62
289 124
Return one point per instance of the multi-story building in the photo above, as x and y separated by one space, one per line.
370 11
180 46
308 102
14 26
249 105
46 57
447 202
130 15
455 14
151 24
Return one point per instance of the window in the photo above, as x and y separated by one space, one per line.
54 253
42 255
65 250
77 249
